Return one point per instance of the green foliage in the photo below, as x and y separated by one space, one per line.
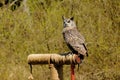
39 30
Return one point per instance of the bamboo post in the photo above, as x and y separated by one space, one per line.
56 62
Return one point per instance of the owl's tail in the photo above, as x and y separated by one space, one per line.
86 50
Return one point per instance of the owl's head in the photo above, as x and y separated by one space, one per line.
68 22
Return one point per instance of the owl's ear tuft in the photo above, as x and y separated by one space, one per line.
63 17
72 18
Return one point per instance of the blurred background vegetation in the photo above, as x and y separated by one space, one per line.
28 26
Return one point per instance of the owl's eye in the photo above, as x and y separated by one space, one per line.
69 21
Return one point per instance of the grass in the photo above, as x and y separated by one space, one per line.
39 30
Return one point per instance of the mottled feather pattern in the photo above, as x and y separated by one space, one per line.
74 40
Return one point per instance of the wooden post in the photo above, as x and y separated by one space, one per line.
56 62
56 72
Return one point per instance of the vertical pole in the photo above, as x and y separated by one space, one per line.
72 72
56 72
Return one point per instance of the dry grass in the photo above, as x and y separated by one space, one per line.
39 31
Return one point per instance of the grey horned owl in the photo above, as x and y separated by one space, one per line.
74 40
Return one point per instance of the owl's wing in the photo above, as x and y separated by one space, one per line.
78 45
